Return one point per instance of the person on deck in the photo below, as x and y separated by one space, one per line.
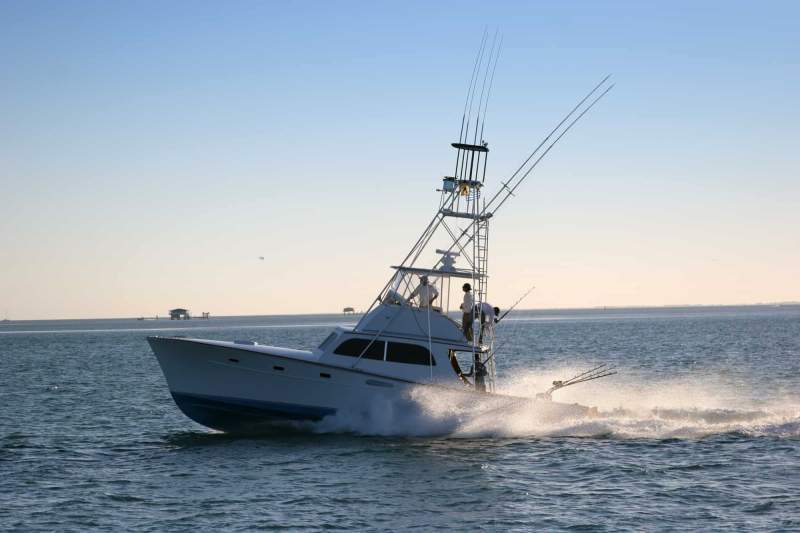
427 293
467 316
489 317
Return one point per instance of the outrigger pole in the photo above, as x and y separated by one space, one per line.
508 188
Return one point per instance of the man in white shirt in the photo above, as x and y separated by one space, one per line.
489 318
467 311
427 293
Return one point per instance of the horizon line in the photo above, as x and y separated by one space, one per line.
589 308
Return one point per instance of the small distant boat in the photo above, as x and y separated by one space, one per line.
406 339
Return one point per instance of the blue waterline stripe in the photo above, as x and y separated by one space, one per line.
227 413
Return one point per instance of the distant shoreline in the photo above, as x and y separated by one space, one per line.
533 309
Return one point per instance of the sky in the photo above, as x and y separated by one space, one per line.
151 152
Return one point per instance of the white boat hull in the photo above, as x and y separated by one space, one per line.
236 388
232 388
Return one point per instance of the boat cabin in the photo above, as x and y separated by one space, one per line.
407 337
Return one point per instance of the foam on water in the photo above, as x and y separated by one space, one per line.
628 408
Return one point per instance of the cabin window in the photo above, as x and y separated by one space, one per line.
412 354
354 348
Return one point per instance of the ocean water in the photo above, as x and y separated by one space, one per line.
700 430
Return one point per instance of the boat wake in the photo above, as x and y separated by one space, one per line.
688 408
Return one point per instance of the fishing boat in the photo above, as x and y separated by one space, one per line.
410 337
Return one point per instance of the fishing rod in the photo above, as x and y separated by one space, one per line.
468 161
491 82
494 351
472 81
591 372
600 371
469 92
516 303
483 86
480 117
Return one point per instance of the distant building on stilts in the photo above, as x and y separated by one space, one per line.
179 314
